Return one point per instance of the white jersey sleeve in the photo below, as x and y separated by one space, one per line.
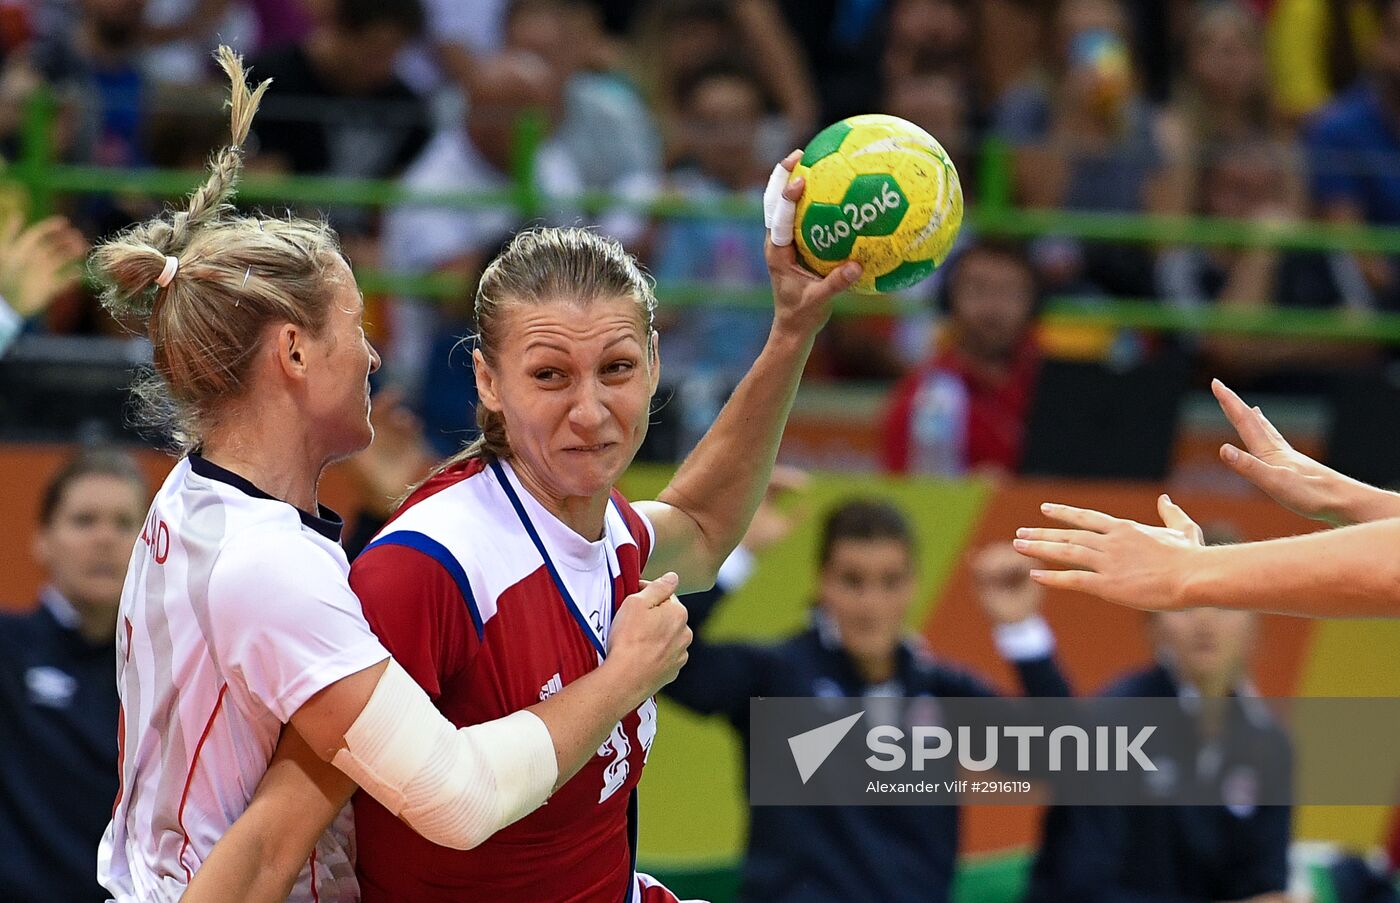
283 622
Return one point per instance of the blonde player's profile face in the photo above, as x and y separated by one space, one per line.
85 546
1208 647
866 588
337 368
574 384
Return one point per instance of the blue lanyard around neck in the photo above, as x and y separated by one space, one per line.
554 575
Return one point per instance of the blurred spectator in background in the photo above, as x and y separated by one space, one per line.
1260 182
857 645
708 348
178 36
457 38
722 110
966 407
1353 145
677 38
1200 854
38 263
1318 49
1085 140
338 108
1222 96
463 39
58 703
927 37
835 47
95 65
276 23
1009 39
474 158
606 128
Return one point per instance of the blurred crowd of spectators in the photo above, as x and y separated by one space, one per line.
1270 111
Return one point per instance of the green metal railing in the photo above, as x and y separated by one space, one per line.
44 178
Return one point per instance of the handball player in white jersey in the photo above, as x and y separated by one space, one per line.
236 618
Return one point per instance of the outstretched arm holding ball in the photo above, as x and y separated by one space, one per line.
703 513
873 204
1348 572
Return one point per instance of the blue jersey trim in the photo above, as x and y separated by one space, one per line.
421 542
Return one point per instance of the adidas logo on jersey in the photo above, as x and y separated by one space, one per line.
551 686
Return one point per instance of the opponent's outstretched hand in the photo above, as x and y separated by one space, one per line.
1288 476
1119 560
801 299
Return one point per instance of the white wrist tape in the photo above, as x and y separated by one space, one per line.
455 787
778 212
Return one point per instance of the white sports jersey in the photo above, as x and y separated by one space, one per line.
235 611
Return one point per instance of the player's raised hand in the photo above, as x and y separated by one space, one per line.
39 262
398 457
801 299
1291 478
772 523
650 637
1119 560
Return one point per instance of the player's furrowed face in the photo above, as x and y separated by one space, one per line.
866 588
87 543
574 383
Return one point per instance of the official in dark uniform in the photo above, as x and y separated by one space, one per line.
1181 854
857 646
58 696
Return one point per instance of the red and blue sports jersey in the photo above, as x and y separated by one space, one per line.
492 604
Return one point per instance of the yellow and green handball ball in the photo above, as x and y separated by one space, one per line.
880 191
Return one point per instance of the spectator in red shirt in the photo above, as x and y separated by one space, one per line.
966 408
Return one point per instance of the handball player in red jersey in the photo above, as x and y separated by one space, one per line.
495 584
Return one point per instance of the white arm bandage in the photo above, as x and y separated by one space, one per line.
456 787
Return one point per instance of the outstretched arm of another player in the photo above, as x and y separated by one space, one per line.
1347 572
702 514
377 729
1290 477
